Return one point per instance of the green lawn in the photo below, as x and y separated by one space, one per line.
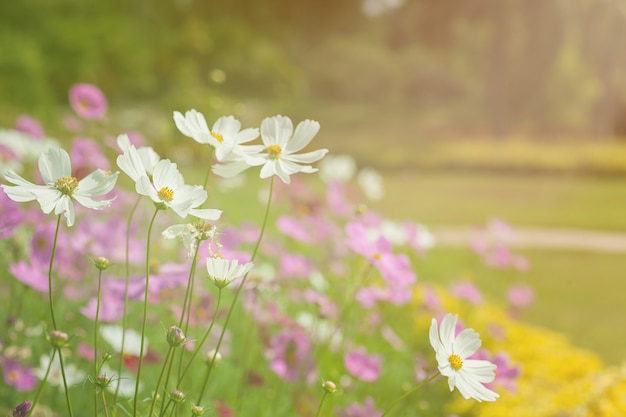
470 198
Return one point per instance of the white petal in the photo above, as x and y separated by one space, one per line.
174 231
97 183
305 132
206 214
54 164
466 343
230 169
276 130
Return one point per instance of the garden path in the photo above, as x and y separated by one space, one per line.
535 237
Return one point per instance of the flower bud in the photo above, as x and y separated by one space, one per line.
213 358
197 410
175 337
102 381
177 396
22 410
101 263
329 387
106 356
58 339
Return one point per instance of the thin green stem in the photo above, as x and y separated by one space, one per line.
95 342
206 334
409 392
158 385
54 249
104 405
67 392
126 285
43 383
239 288
188 290
319 409
145 314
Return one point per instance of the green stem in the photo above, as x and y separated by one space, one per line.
321 403
243 281
409 392
67 393
158 385
189 288
54 249
126 285
95 342
43 383
51 303
145 314
199 346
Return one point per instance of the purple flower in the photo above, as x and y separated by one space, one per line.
365 367
19 376
22 409
367 409
506 372
88 101
30 126
111 309
289 354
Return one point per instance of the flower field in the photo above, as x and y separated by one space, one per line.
259 282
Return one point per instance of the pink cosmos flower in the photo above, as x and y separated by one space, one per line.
289 354
34 274
520 295
367 409
10 216
111 309
86 156
365 367
88 101
18 376
293 265
30 126
466 290
506 372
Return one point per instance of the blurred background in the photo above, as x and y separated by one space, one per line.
469 109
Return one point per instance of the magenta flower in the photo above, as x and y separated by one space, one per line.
289 354
367 409
365 367
88 101
506 372
30 126
18 376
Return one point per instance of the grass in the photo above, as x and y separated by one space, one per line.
470 198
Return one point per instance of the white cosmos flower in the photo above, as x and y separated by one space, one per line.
281 147
169 189
190 234
60 187
452 353
73 375
113 333
339 168
136 162
371 182
225 136
222 272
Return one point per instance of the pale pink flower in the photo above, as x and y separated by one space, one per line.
367 409
520 295
88 101
466 290
290 354
293 265
365 367
30 126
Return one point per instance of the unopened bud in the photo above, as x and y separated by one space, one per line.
101 263
175 337
106 356
102 381
213 358
22 410
329 387
177 396
58 338
197 410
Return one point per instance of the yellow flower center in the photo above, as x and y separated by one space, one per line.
217 137
274 151
166 194
455 361
66 185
